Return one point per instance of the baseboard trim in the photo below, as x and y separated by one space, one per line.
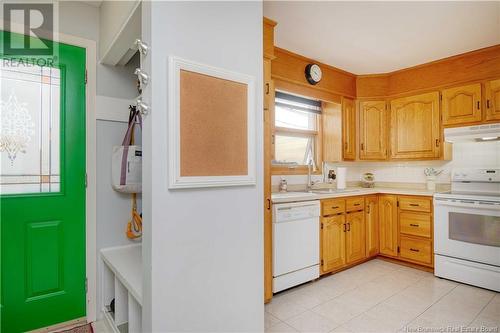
405 263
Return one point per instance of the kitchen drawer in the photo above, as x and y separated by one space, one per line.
416 224
354 204
416 249
332 207
415 204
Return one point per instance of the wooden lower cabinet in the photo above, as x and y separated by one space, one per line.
343 233
417 250
333 254
388 224
415 224
360 227
406 228
355 236
372 226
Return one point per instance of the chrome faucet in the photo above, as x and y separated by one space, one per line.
310 182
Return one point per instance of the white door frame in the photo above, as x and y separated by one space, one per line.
90 210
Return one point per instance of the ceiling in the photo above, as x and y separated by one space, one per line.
380 37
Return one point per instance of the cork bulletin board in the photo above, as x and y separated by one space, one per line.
211 126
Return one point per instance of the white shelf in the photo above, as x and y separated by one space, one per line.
126 263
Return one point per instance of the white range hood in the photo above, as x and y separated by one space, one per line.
478 133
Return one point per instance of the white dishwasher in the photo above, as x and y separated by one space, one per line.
295 243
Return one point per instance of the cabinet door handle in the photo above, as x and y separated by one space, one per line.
345 227
414 225
345 146
267 88
478 105
414 205
488 103
362 146
348 227
437 142
414 250
268 204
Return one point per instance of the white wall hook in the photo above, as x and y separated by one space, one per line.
142 47
143 76
142 106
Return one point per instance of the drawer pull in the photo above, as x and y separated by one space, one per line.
414 225
414 205
335 207
357 204
414 250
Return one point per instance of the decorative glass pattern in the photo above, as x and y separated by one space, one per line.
29 129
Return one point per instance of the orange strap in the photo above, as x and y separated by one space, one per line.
134 226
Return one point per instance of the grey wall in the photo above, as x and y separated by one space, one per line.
79 19
202 248
113 208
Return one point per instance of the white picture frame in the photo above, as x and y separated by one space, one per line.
176 181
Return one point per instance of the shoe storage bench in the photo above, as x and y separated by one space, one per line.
122 281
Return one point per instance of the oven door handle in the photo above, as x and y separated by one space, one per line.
467 204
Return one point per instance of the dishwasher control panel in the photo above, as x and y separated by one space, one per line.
295 211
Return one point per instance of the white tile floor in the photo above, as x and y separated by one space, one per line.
379 296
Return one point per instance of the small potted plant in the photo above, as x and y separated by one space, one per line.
431 175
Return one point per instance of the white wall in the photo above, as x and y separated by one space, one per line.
465 154
115 88
203 248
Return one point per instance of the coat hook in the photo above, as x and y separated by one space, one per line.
142 106
143 76
142 46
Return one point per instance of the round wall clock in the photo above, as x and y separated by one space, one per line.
313 73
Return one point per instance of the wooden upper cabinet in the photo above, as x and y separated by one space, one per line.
332 132
462 105
388 224
415 127
373 130
372 226
355 237
332 243
348 129
493 100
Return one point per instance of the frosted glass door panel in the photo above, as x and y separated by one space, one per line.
30 128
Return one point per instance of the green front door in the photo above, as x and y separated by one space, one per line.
42 187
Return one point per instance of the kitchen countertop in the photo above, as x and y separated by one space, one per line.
349 192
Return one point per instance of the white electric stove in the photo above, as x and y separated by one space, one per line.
467 229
